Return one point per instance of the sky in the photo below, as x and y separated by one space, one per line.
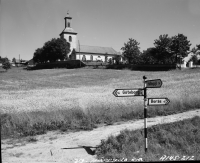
26 25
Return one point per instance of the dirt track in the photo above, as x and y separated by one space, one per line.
47 148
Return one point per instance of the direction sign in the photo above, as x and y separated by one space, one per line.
156 83
158 101
128 92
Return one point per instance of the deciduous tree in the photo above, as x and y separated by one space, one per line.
6 65
148 56
53 50
163 53
131 51
180 46
14 60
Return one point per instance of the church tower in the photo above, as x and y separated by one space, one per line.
68 33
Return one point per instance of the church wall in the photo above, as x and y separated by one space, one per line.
95 57
73 43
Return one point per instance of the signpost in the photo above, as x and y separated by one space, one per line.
158 101
128 92
156 83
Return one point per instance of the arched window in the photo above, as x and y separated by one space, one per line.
70 38
91 57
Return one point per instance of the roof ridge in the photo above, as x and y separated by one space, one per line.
97 46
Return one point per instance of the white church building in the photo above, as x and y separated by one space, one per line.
85 52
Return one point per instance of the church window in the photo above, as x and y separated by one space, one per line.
68 24
70 38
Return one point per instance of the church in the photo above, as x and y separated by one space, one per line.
85 52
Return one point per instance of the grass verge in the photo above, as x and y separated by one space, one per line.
166 142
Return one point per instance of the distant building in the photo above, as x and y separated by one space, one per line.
85 52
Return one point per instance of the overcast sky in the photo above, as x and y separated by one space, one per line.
27 24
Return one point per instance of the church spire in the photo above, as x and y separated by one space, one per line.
67 20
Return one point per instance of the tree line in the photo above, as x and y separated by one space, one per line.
166 50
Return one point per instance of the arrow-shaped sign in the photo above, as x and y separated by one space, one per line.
158 101
128 92
156 83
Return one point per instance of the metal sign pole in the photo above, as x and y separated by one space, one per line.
145 113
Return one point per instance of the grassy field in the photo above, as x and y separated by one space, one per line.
33 102
179 141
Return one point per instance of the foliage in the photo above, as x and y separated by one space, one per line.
167 50
6 65
4 59
131 51
198 46
73 54
148 56
180 46
14 60
110 61
196 50
53 50
163 54
194 59
117 59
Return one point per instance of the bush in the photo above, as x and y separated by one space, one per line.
6 65
59 64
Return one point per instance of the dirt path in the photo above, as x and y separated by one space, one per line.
47 148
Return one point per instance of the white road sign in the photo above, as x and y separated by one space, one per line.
158 101
156 83
128 92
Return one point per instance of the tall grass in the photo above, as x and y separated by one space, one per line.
39 122
179 140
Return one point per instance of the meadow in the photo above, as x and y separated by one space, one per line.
33 102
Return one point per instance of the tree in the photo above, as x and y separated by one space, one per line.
148 56
117 59
6 65
194 59
180 46
14 60
53 50
198 49
131 51
163 53
39 56
73 55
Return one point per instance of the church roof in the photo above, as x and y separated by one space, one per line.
68 30
96 49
